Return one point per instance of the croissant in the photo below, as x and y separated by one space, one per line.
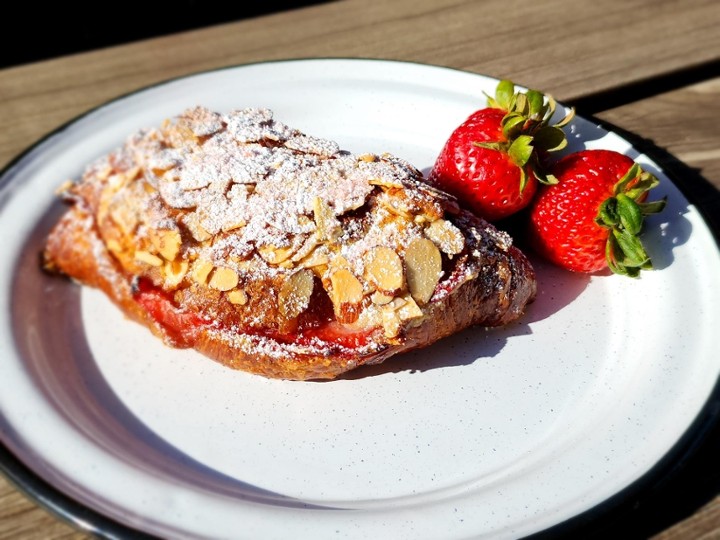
277 253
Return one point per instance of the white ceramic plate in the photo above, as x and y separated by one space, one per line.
489 433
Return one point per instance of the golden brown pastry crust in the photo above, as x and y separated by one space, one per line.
277 253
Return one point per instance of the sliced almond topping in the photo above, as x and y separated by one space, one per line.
319 270
346 295
237 297
117 181
409 309
446 236
132 173
167 242
398 208
175 272
368 158
113 245
192 221
223 279
306 249
201 270
391 323
338 261
65 187
384 269
380 299
148 258
328 227
275 255
231 225
124 215
423 267
295 292
317 257
384 182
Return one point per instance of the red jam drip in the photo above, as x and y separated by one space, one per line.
183 326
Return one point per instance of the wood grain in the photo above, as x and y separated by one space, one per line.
684 123
680 130
21 518
570 49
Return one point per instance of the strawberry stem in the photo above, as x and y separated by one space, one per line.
526 128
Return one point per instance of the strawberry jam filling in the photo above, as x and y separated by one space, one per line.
184 326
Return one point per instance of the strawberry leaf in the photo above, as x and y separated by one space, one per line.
491 145
545 178
608 216
624 216
523 179
612 253
654 207
630 213
520 150
503 95
566 120
521 104
632 249
536 102
511 123
550 139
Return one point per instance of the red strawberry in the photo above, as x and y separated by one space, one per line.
491 162
591 218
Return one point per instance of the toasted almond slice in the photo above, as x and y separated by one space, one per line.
391 323
192 221
320 270
295 292
149 188
223 279
233 224
123 213
113 245
380 299
384 269
201 270
318 257
307 247
328 227
409 309
117 181
446 236
237 297
276 255
167 242
423 268
385 182
338 261
148 258
398 208
346 295
175 271
65 187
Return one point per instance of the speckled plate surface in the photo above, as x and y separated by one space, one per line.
496 433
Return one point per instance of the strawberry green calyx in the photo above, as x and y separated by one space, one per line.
624 214
527 130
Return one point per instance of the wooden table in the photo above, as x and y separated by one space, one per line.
652 69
